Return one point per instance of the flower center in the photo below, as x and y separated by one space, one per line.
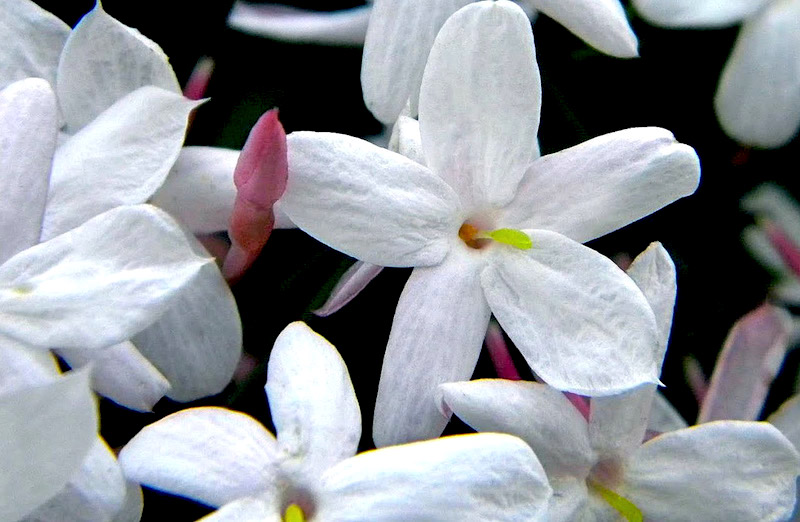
294 513
605 475
473 237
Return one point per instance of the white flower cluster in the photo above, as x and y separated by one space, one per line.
107 274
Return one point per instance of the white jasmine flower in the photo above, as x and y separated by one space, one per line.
600 469
468 220
228 459
758 98
400 36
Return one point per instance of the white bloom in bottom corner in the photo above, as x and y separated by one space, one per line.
227 459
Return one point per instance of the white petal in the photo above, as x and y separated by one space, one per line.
208 454
480 101
406 139
579 321
22 366
758 244
96 492
312 401
97 284
594 188
246 509
751 110
284 23
697 13
664 417
197 342
121 374
540 415
750 358
787 419
352 282
654 273
120 158
436 337
600 23
399 38
618 423
776 204
367 202
42 451
133 506
21 54
199 191
29 125
727 470
103 61
462 478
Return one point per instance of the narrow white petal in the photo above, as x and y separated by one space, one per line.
594 188
29 125
368 202
199 190
580 322
726 470
197 342
346 27
312 401
406 139
749 361
436 337
654 273
600 23
787 419
399 38
462 478
754 111
42 452
540 415
103 61
99 283
208 454
120 158
121 374
96 492
22 366
480 102
21 54
352 282
618 423
697 13
664 417
246 509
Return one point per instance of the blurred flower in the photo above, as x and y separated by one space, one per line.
758 98
401 34
224 458
600 469
577 319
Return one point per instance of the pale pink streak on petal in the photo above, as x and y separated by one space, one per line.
581 403
498 351
696 379
260 178
749 361
197 84
352 282
784 245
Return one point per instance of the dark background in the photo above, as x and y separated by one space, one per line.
585 94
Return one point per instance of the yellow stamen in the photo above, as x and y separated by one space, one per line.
472 236
294 514
625 507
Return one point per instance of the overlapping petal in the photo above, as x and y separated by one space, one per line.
312 401
787 419
97 284
612 180
246 510
480 101
209 454
29 123
752 111
367 202
697 13
463 478
22 56
120 158
41 452
600 23
664 417
352 282
103 61
398 40
690 474
436 337
581 323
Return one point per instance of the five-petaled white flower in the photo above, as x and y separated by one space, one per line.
228 459
600 469
466 220
758 97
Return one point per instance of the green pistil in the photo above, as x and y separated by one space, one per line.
508 236
625 507
294 514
